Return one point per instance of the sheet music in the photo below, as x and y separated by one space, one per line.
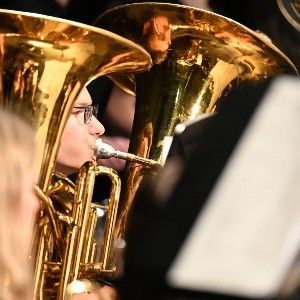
246 237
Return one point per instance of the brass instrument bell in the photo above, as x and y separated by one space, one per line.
45 63
198 57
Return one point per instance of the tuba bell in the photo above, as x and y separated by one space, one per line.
45 62
198 57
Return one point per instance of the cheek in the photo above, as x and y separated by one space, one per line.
74 149
71 138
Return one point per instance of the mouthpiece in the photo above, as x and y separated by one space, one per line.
105 150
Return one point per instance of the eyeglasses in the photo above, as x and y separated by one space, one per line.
89 111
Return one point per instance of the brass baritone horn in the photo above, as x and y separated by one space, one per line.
45 62
198 56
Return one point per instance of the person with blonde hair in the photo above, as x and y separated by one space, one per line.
18 205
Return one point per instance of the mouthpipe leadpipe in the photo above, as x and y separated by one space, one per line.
104 150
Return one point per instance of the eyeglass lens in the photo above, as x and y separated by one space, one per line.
89 111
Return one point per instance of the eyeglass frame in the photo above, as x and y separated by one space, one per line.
89 111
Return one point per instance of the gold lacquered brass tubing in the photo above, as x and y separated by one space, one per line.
89 254
111 214
46 201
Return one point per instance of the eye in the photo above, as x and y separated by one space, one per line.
77 111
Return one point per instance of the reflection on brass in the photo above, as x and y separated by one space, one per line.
198 56
45 62
291 10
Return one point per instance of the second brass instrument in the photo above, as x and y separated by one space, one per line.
198 57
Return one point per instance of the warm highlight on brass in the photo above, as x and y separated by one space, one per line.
198 56
45 62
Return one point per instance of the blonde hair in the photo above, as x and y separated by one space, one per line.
16 159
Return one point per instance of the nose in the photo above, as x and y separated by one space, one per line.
95 127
